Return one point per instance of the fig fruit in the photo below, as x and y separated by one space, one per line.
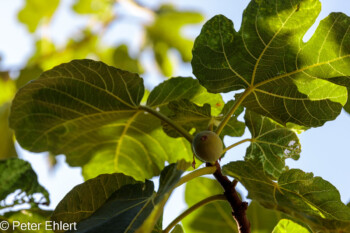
207 146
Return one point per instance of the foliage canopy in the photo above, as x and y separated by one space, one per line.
104 120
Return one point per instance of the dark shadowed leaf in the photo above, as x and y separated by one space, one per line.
35 12
271 143
90 112
84 199
299 194
128 207
288 226
18 175
285 78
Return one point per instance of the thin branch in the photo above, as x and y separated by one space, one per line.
238 207
164 118
193 208
196 173
236 144
233 110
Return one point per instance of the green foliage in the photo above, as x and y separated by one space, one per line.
311 199
35 12
165 34
288 226
121 135
17 174
271 144
281 74
127 207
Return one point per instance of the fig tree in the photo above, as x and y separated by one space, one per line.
207 146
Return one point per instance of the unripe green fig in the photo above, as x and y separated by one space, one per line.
207 146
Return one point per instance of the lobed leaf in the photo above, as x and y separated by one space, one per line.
299 194
285 78
90 112
271 143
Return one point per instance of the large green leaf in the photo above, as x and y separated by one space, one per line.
84 199
271 144
213 216
128 207
299 194
17 174
35 11
90 112
285 78
165 33
288 226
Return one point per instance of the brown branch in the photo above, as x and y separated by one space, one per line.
238 207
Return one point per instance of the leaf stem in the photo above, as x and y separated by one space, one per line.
196 173
236 144
164 118
232 110
193 208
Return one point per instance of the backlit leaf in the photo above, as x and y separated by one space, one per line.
102 9
35 11
165 34
285 78
90 112
208 218
299 194
271 143
288 226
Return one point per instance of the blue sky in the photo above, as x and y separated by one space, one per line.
324 150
